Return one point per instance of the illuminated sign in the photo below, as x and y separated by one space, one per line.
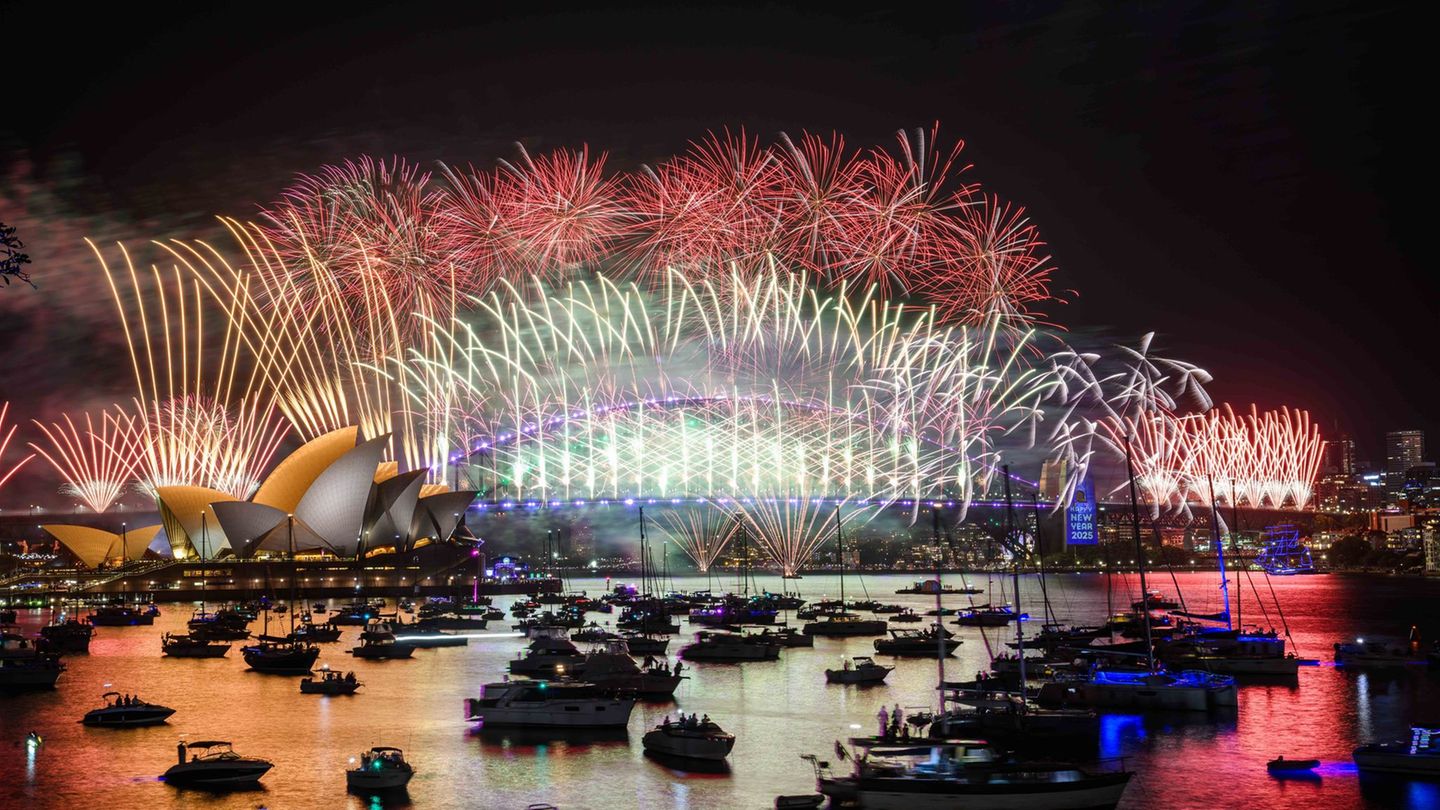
1080 516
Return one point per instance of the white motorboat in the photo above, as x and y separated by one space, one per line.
860 669
844 625
23 666
380 768
689 738
378 642
896 774
570 704
1418 756
122 711
550 654
214 764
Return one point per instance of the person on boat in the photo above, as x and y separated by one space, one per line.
705 721
884 717
180 751
678 666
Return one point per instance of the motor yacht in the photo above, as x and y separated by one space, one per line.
190 646
330 683
1231 652
610 667
120 711
689 738
378 642
380 768
24 666
560 703
930 587
1377 653
929 643
1418 756
549 654
119 616
721 646
1190 690
68 636
214 764
896 774
859 669
318 633
844 625
985 616
645 644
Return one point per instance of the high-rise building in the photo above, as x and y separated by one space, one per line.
1052 478
1403 449
1340 456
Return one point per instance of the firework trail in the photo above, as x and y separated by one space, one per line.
96 466
703 533
5 436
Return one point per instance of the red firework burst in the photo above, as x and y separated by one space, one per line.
369 227
714 205
903 229
994 262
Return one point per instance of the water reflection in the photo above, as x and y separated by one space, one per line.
778 710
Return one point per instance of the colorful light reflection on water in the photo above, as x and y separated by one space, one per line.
778 710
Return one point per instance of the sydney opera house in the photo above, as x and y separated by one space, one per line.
331 504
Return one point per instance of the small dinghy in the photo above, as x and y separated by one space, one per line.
1283 765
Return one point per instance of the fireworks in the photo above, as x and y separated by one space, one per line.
702 533
5 436
95 465
199 420
779 392
899 221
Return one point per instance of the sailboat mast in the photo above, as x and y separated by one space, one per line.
840 549
290 529
1219 550
1016 547
939 617
1235 547
644 549
1139 555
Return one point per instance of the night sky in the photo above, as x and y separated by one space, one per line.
1236 177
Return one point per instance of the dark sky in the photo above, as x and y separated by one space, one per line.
1235 176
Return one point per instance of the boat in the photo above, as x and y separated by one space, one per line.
318 633
68 636
786 637
1418 756
330 683
645 644
549 654
723 646
1190 690
190 646
560 703
930 587
24 666
689 738
845 625
1155 600
1231 652
986 616
380 768
907 616
610 667
1377 654
1282 765
119 616
281 657
859 669
1283 554
928 643
896 774
123 711
378 642
214 764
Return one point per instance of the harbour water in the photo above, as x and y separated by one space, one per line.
777 710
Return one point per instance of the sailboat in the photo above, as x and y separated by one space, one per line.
282 655
1152 687
841 622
